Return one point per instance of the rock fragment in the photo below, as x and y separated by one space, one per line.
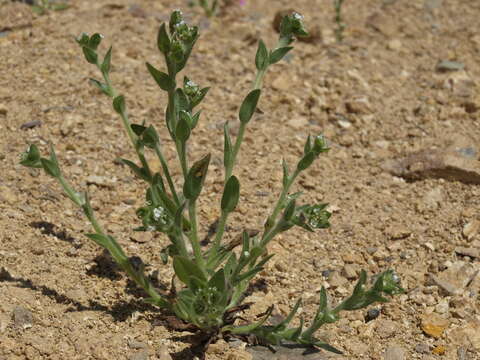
395 353
446 65
472 252
470 229
457 163
454 280
22 318
358 105
434 325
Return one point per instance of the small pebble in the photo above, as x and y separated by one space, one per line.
395 353
372 314
422 348
31 124
22 318
445 66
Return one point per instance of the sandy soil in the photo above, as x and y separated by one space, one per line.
380 96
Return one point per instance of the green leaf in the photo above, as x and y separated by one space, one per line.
140 172
163 40
38 10
251 327
163 80
50 167
283 325
230 265
102 87
94 41
195 119
289 211
325 346
195 178
320 145
261 58
181 101
200 96
105 67
160 302
249 105
308 145
231 194
119 104
306 161
31 158
182 132
311 217
100 239
227 146
138 129
286 174
278 54
90 55
218 281
59 6
150 137
186 268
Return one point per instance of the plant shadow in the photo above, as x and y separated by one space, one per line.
48 228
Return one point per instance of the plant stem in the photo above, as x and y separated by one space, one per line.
241 132
193 236
218 236
127 125
70 192
236 149
166 172
283 196
259 78
182 155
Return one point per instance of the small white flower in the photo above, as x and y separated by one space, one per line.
158 212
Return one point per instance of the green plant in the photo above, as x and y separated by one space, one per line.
339 20
43 6
216 278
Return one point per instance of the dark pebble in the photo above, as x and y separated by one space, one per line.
31 124
372 314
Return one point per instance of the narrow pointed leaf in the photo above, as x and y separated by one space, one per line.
31 157
50 167
94 41
102 86
100 239
231 195
182 132
286 174
163 40
306 161
105 67
186 268
278 54
90 55
163 80
261 58
249 105
119 104
140 172
195 178
227 146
